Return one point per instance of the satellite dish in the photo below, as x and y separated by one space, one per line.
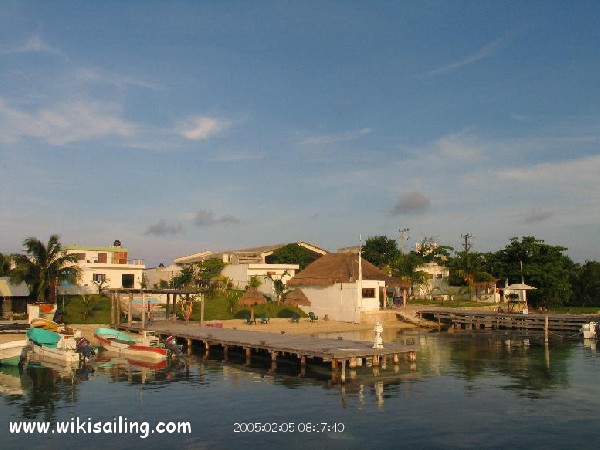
117 243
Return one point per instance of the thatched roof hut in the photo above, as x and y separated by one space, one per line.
339 268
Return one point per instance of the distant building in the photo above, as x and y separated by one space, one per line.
106 267
437 282
244 264
161 276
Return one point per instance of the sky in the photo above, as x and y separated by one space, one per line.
183 126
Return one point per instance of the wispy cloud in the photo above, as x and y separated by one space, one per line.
328 139
64 123
574 171
116 80
202 127
35 44
411 203
484 53
162 228
207 218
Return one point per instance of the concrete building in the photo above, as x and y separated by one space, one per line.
106 267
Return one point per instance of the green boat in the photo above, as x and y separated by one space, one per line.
12 352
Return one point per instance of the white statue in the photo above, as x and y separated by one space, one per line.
378 343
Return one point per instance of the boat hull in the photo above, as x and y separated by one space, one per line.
66 356
12 352
120 344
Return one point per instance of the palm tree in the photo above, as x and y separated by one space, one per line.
44 267
5 265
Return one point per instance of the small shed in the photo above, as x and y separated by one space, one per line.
13 298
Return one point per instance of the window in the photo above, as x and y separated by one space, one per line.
103 258
99 277
127 280
368 293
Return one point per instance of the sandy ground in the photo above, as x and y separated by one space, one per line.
304 327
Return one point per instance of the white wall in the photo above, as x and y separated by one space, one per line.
339 301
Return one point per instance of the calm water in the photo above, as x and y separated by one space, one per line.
464 391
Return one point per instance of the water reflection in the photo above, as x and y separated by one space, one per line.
450 370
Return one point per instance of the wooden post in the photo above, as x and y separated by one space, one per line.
174 315
375 360
143 311
201 310
129 316
352 363
343 378
396 358
273 356
112 308
546 330
167 306
303 361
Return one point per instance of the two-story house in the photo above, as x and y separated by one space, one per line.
104 267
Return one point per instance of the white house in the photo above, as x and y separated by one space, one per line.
157 277
108 267
243 264
437 282
337 288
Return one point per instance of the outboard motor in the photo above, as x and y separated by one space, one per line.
172 347
85 350
58 316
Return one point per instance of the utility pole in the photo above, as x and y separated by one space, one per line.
467 244
404 237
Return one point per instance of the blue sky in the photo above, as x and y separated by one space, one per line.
179 127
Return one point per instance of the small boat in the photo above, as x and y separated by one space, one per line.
590 330
64 348
45 324
12 352
147 346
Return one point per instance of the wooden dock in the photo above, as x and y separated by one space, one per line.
338 352
473 319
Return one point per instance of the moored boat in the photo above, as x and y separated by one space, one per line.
46 324
12 352
147 346
590 330
65 348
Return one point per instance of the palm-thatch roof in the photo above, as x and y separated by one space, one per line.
339 268
297 298
252 297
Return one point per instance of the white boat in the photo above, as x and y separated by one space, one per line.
147 346
590 330
64 348
11 352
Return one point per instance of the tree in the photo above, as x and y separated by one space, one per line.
292 254
586 284
380 251
543 266
44 267
5 265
